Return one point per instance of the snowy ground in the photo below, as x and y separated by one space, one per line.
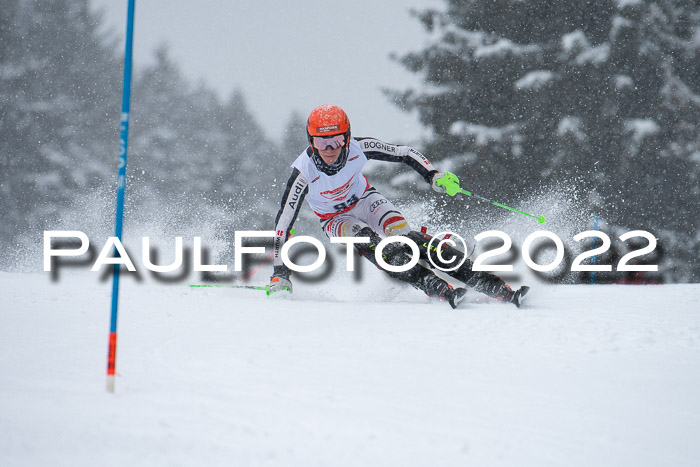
584 376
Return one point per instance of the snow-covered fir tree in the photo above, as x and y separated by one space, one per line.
60 95
604 95
59 102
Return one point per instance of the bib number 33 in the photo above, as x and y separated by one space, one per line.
346 204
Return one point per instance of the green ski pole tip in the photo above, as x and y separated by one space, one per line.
541 219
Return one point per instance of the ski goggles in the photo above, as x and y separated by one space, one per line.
335 142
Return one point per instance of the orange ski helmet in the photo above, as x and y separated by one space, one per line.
326 121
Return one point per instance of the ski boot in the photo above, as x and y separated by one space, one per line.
433 286
279 285
494 287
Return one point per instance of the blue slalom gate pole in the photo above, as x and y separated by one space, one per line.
121 185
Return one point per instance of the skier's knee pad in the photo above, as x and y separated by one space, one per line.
445 258
367 249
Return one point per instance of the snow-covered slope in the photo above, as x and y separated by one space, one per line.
584 376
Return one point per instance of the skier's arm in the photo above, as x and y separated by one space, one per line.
375 149
292 199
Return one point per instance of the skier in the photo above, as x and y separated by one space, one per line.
328 175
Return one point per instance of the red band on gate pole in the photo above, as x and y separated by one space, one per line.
112 354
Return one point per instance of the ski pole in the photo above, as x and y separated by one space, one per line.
248 276
451 184
230 286
264 288
539 219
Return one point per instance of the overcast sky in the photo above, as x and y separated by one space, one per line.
288 55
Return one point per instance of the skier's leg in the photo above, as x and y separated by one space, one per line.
374 213
481 281
418 276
